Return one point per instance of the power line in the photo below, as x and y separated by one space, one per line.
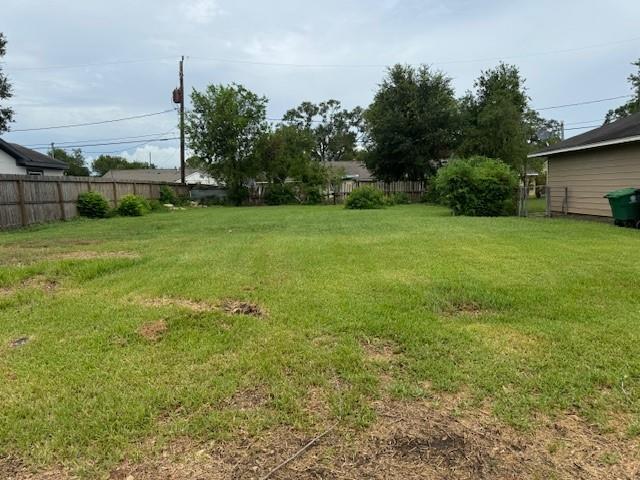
133 146
144 115
585 121
95 64
588 102
112 143
62 144
583 128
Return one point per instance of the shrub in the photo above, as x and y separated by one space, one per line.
477 186
158 206
92 205
365 198
280 194
168 195
401 198
313 196
133 206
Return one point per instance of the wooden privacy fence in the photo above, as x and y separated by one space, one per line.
27 199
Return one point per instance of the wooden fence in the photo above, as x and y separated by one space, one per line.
27 199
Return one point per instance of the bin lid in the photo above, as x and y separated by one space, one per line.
623 192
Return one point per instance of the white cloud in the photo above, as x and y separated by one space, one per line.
162 157
201 11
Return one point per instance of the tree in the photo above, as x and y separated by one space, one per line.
76 161
6 113
223 129
497 121
336 130
633 105
412 124
285 153
104 163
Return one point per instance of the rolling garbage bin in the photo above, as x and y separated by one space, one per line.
625 206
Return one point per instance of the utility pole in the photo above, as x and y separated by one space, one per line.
53 150
182 161
561 130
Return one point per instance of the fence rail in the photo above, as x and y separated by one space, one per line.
27 199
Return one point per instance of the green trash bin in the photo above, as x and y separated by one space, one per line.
625 206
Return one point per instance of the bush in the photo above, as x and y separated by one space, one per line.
477 186
92 205
365 198
313 196
401 198
280 194
158 206
133 206
168 195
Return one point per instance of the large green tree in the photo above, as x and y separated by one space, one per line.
75 159
336 130
104 163
223 128
285 152
6 113
633 105
412 123
497 121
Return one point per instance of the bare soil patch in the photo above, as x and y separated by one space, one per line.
380 351
249 398
178 302
40 282
90 255
153 331
238 307
19 342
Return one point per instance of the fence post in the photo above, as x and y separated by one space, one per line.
63 214
23 207
115 195
547 196
565 201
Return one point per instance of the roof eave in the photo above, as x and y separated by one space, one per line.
606 143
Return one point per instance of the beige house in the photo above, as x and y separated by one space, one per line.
582 169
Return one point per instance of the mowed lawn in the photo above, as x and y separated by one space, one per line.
126 341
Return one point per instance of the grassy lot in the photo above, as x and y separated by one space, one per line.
128 341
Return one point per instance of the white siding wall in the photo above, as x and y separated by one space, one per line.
8 165
590 174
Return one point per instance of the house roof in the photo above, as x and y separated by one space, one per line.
26 157
168 175
352 169
624 130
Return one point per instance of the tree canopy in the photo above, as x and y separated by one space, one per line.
75 159
104 163
6 113
223 129
633 105
412 123
336 130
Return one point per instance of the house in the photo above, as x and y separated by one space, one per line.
166 175
18 160
352 170
582 169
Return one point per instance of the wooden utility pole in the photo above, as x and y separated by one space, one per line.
182 160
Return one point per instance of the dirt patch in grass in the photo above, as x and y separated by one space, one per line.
238 307
192 305
463 308
153 331
380 351
13 469
249 398
19 342
90 255
410 440
40 282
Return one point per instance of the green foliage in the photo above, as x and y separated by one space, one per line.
223 129
313 195
77 163
168 195
334 130
365 198
104 163
412 124
477 186
633 105
401 198
6 113
280 194
157 206
285 153
92 205
133 206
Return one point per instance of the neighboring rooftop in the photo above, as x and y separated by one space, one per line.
621 131
30 158
352 169
166 175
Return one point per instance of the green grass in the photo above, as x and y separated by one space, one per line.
534 316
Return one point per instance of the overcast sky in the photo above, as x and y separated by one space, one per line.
51 42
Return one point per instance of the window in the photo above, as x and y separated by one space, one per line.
35 171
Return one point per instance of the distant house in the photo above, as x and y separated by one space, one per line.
582 169
18 160
167 175
352 170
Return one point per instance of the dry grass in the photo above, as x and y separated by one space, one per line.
153 331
